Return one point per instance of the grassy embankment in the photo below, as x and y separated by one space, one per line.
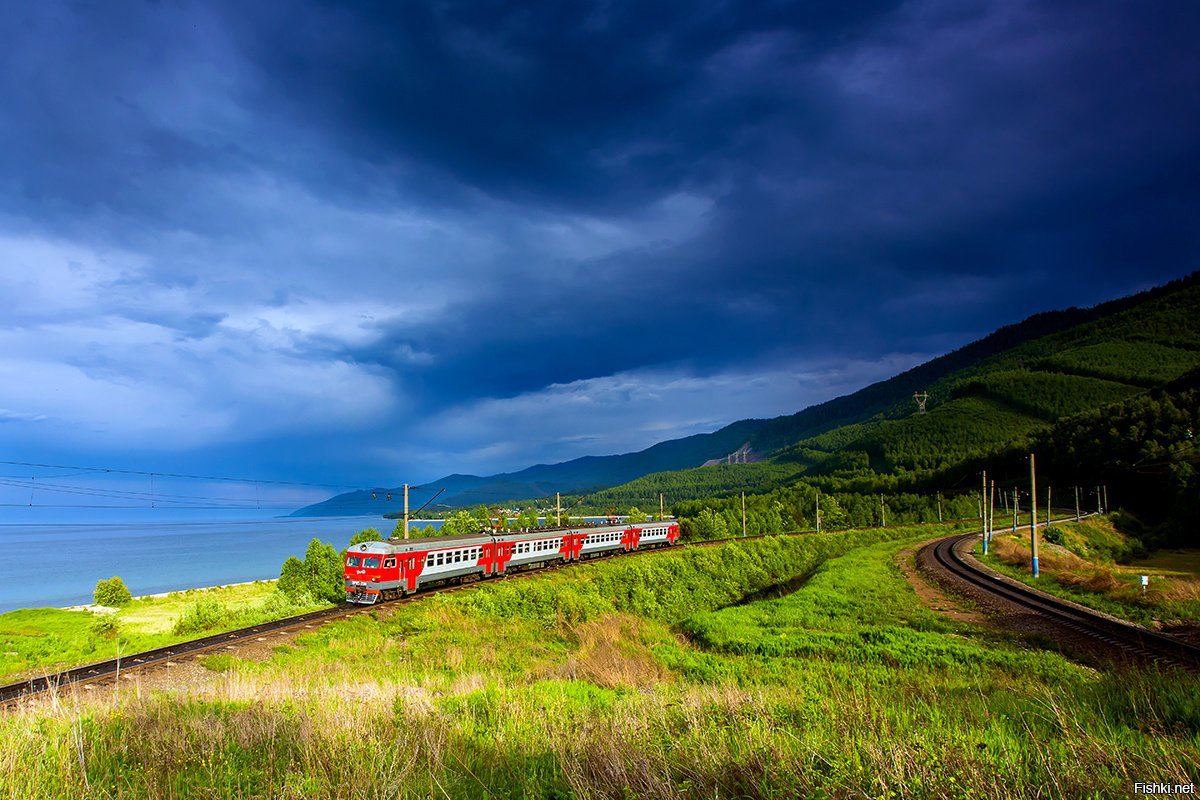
1092 563
633 678
36 641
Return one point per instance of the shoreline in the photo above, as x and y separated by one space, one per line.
95 609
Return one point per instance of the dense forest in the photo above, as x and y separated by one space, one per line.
1110 401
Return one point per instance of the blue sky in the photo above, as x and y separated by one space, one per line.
378 242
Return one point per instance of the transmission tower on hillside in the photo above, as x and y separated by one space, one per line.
921 398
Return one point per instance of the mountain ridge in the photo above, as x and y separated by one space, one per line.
780 438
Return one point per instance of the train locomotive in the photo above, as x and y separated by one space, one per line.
377 571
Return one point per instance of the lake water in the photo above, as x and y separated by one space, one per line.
56 561
58 564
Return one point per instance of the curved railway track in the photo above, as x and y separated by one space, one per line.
1114 636
113 668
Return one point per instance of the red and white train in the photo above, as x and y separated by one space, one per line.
385 570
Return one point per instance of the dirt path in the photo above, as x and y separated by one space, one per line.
930 594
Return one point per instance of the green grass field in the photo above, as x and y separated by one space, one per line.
637 678
37 641
1084 568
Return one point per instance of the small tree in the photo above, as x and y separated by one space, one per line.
636 516
372 535
708 524
461 524
326 576
112 592
293 578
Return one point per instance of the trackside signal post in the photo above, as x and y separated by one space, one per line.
1033 542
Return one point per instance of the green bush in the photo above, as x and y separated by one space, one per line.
112 592
319 576
200 616
372 535
105 626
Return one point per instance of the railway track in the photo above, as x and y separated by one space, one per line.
113 668
1114 636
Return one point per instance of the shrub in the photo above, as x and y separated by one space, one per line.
319 576
202 615
105 626
112 592
372 535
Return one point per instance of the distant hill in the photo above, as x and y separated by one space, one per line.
544 480
983 397
987 398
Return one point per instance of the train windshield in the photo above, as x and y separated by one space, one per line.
371 563
353 561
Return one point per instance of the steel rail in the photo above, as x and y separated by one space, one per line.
113 667
1146 644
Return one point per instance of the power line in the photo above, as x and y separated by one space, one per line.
146 473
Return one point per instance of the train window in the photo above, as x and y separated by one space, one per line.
353 561
441 559
389 563
457 556
371 563
429 560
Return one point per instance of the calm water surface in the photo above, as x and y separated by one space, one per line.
57 564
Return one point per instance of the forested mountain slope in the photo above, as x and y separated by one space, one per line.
993 404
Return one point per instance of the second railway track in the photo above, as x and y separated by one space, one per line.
1117 638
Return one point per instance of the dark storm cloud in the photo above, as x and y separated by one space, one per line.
468 201
584 106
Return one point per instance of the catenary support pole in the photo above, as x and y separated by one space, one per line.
1077 514
991 509
558 509
1107 507
983 512
939 499
818 510
743 513
1033 537
406 512
882 512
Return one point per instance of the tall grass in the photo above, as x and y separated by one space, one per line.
464 699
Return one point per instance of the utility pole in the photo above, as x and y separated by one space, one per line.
406 512
882 512
1107 507
1049 508
743 513
818 510
558 509
939 499
1033 542
1016 508
991 509
983 512
1099 504
1077 515
661 514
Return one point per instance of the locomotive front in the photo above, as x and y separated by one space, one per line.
371 573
